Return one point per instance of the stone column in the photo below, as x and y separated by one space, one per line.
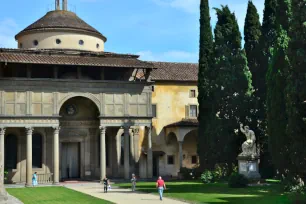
136 150
3 194
102 152
118 152
2 134
126 152
29 131
150 154
180 154
132 151
56 155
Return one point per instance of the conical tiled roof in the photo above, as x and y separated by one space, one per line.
60 19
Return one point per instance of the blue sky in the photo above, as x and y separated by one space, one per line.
158 30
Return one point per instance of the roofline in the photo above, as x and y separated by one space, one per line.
67 52
174 62
187 81
83 31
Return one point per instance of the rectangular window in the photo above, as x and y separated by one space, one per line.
193 112
192 93
154 111
170 159
194 159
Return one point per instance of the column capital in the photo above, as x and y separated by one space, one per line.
136 130
29 130
2 130
102 129
56 129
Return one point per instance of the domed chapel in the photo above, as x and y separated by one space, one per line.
71 111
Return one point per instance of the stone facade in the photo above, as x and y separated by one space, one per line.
173 101
68 110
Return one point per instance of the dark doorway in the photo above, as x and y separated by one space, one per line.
70 160
155 166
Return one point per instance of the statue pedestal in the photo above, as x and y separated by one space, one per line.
249 166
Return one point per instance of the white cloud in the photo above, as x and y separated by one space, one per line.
190 6
193 6
169 56
8 29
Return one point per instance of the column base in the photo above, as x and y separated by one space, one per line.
28 185
56 183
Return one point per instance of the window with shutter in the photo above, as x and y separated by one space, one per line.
192 93
193 112
187 111
154 112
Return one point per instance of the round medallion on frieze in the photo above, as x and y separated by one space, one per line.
71 109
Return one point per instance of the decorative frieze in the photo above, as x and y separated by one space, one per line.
25 122
125 121
80 123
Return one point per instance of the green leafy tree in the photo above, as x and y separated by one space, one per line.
233 87
252 36
277 116
205 78
252 33
296 90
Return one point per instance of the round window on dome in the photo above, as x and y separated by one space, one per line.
81 42
58 41
98 45
35 42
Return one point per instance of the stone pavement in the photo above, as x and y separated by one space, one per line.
118 195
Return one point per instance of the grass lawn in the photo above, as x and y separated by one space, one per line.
54 195
198 192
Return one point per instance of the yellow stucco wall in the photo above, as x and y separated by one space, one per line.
69 40
171 100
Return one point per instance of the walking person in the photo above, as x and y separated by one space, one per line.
105 183
133 180
34 179
161 186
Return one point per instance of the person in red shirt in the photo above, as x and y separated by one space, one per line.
161 186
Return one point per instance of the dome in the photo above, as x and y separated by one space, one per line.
61 29
61 20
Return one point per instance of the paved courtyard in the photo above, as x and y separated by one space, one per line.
118 195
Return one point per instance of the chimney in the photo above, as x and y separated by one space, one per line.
65 5
57 5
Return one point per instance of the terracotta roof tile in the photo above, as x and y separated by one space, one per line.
81 58
63 20
185 123
169 71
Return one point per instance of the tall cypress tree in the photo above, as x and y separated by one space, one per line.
232 86
205 79
266 42
252 33
296 89
277 116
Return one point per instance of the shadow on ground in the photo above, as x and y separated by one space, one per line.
220 193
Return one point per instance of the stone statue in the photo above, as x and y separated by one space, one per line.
249 146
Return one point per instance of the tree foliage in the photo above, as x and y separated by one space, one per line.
296 90
232 88
276 84
205 78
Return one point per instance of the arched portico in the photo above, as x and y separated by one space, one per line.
182 130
